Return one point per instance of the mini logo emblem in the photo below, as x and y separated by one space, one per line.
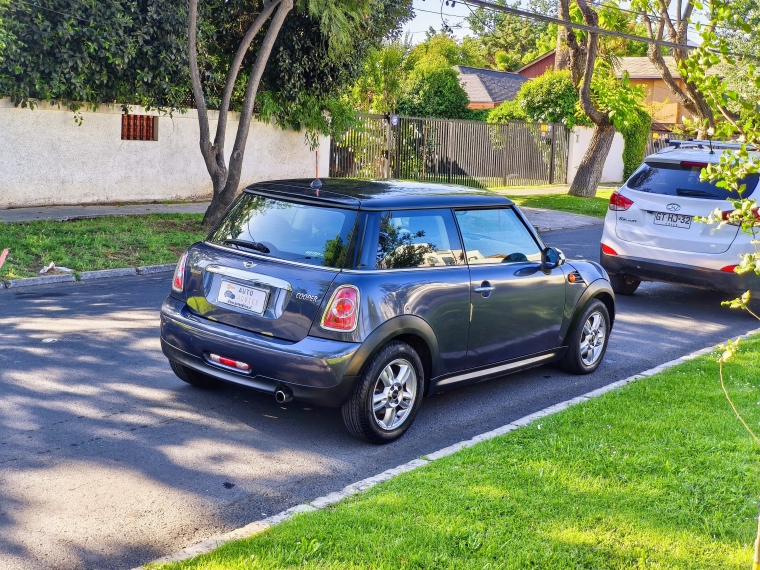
248 264
673 207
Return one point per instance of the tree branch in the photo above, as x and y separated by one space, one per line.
221 127
200 98
665 17
597 117
236 160
577 52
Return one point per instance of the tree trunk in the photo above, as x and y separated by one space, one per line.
562 52
590 170
226 186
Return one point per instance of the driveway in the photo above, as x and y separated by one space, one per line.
108 460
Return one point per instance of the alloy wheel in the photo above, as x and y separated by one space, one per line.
394 394
592 338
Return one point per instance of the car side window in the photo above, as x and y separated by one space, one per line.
496 236
418 238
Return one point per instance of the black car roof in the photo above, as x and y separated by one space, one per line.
385 195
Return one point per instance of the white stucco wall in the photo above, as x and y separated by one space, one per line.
580 137
46 159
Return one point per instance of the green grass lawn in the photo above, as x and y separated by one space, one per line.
596 206
659 474
98 243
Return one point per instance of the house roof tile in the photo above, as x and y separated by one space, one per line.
488 86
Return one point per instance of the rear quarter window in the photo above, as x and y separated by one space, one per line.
675 179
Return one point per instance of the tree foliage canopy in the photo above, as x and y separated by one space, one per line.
134 52
96 51
416 80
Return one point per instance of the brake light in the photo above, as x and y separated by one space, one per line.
342 310
692 164
618 202
729 268
178 283
608 250
231 362
725 215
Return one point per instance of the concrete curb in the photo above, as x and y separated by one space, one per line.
152 269
105 273
260 526
44 280
89 275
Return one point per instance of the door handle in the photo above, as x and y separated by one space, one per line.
485 288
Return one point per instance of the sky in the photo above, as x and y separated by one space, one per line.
430 13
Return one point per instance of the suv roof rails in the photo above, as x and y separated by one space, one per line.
700 143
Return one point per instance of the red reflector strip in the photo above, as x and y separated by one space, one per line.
608 250
692 164
231 362
729 268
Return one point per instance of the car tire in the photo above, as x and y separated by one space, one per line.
197 379
592 328
624 284
386 398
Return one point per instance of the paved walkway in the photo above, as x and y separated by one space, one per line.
543 220
61 213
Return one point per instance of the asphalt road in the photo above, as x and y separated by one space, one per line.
107 460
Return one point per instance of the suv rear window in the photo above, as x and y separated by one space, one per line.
682 179
287 230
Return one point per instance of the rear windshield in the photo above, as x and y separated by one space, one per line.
682 180
286 230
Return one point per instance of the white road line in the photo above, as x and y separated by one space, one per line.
260 526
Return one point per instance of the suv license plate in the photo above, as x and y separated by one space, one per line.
673 220
243 297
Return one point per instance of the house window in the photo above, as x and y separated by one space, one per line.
139 128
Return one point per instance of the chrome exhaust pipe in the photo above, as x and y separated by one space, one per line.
283 395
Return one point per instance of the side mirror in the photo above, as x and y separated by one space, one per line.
552 257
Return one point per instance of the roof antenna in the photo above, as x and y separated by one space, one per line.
710 133
317 183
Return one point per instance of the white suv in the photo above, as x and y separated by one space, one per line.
650 233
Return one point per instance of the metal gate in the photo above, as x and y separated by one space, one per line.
472 153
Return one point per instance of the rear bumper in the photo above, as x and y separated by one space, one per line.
649 270
312 368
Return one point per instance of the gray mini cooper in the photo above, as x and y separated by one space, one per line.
370 295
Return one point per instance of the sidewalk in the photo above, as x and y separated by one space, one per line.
61 213
543 220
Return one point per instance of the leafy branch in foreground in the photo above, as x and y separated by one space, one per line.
733 167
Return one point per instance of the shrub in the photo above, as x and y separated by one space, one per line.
636 135
434 92
550 98
507 111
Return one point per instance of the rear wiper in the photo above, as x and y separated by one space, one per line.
254 245
687 192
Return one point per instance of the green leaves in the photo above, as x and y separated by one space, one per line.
92 52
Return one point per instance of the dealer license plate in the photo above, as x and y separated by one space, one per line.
673 220
242 296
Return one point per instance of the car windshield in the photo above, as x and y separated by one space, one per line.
682 179
287 230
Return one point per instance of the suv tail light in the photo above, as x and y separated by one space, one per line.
178 283
618 202
608 250
725 215
342 310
